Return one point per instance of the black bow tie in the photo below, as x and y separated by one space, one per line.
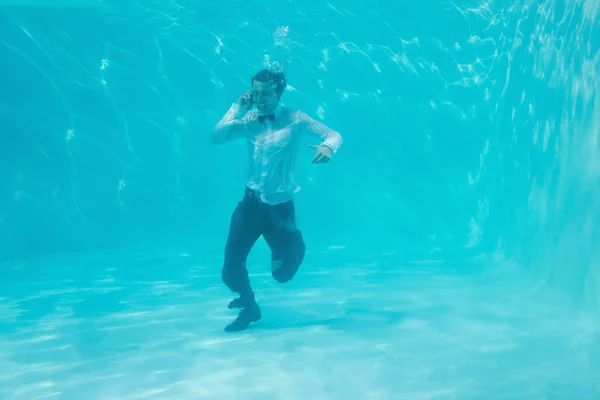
261 118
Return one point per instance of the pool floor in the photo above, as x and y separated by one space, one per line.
351 325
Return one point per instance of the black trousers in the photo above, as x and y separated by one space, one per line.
277 224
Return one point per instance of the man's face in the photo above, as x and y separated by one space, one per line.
264 96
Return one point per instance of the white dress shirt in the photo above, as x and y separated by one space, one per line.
272 147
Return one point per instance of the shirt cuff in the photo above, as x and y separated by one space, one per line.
332 146
237 110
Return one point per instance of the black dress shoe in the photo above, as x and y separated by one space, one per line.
248 315
236 303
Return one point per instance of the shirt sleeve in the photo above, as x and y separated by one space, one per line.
232 126
316 129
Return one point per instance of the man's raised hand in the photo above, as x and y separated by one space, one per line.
246 101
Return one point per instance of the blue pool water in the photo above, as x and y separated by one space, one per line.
452 242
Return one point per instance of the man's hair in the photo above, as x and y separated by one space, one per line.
268 75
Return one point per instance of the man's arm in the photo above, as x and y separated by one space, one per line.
231 126
330 138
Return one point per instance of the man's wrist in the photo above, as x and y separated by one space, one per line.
330 147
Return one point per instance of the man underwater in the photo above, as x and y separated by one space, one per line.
273 134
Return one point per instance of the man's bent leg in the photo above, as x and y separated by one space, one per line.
287 255
285 241
244 231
